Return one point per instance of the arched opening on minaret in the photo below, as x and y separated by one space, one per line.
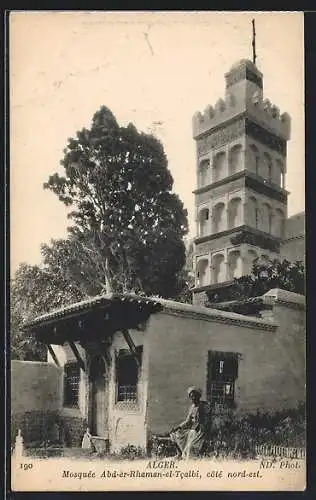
234 213
251 257
219 166
255 159
277 172
218 218
219 268
202 273
253 212
278 223
204 172
204 216
234 265
266 171
235 159
266 218
283 178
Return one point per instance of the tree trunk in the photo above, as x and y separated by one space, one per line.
108 284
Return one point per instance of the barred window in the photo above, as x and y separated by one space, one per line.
71 385
127 374
222 374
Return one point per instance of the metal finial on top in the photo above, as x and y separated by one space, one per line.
254 56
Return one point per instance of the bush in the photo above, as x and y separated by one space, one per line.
238 435
130 452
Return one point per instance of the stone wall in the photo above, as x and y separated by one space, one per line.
271 371
289 369
294 249
36 395
176 341
294 245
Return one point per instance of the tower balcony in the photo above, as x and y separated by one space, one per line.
242 212
219 268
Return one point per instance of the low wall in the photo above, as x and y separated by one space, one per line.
36 399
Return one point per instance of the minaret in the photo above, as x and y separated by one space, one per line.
240 199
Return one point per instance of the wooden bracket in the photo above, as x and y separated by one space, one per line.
77 356
53 355
131 346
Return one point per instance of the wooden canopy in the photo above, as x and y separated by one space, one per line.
93 320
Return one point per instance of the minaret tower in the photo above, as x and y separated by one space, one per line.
240 199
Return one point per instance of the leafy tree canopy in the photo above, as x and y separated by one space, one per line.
35 290
123 212
265 276
126 231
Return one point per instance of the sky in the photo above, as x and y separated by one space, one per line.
154 69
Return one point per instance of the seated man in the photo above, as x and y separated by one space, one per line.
191 435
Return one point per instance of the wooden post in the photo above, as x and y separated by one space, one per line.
104 353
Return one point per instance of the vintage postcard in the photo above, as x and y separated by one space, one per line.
157 251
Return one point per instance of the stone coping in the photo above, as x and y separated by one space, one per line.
276 295
215 315
166 307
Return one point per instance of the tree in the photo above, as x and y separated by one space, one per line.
67 274
74 267
186 279
35 290
265 276
124 216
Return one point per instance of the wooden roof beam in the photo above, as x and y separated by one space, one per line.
77 356
131 346
53 355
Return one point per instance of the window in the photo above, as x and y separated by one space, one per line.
235 159
222 373
253 212
218 218
203 172
127 374
267 167
234 213
235 266
256 216
219 268
219 166
71 385
202 273
266 220
255 160
257 165
203 218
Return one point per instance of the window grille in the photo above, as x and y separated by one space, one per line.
222 374
127 375
71 385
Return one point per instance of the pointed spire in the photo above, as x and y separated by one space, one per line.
254 55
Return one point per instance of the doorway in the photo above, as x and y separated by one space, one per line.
99 403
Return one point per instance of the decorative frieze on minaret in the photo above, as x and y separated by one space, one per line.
240 199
